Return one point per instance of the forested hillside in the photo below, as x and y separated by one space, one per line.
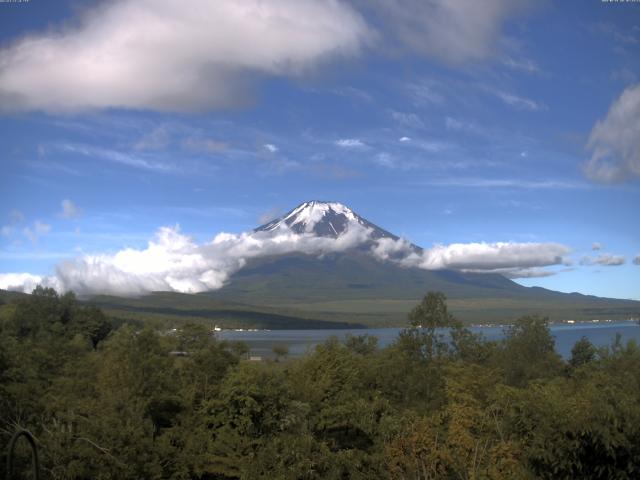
120 402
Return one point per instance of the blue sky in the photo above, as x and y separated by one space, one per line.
445 123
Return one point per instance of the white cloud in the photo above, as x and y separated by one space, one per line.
596 246
69 209
404 139
349 143
173 56
462 126
636 260
524 64
614 141
173 261
385 160
410 120
23 282
453 31
489 257
114 156
472 182
518 102
38 229
426 92
270 147
604 259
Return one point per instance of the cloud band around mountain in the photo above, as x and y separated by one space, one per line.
173 261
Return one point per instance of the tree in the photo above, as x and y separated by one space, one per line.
280 351
431 312
529 351
92 323
582 352
422 340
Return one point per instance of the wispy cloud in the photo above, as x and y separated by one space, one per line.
426 92
37 230
114 156
523 64
206 145
350 143
70 209
453 32
615 141
604 259
518 102
470 182
407 119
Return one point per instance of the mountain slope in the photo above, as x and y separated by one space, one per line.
350 285
353 286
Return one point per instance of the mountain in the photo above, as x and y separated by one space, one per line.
353 285
349 287
324 219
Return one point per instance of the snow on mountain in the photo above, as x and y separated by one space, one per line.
324 219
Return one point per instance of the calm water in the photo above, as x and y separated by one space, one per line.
300 342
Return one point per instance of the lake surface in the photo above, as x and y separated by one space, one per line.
300 342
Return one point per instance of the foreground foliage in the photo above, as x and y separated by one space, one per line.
133 403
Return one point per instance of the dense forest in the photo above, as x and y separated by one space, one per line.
107 401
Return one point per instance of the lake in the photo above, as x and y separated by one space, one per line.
300 342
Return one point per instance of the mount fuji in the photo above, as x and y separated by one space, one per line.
324 219
324 269
353 285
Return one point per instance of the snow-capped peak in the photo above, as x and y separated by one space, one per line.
326 219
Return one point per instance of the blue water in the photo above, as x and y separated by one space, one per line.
300 342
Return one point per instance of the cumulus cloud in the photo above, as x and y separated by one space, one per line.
513 260
349 143
636 260
453 31
489 257
614 142
24 282
174 261
596 246
270 147
173 56
69 209
605 259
